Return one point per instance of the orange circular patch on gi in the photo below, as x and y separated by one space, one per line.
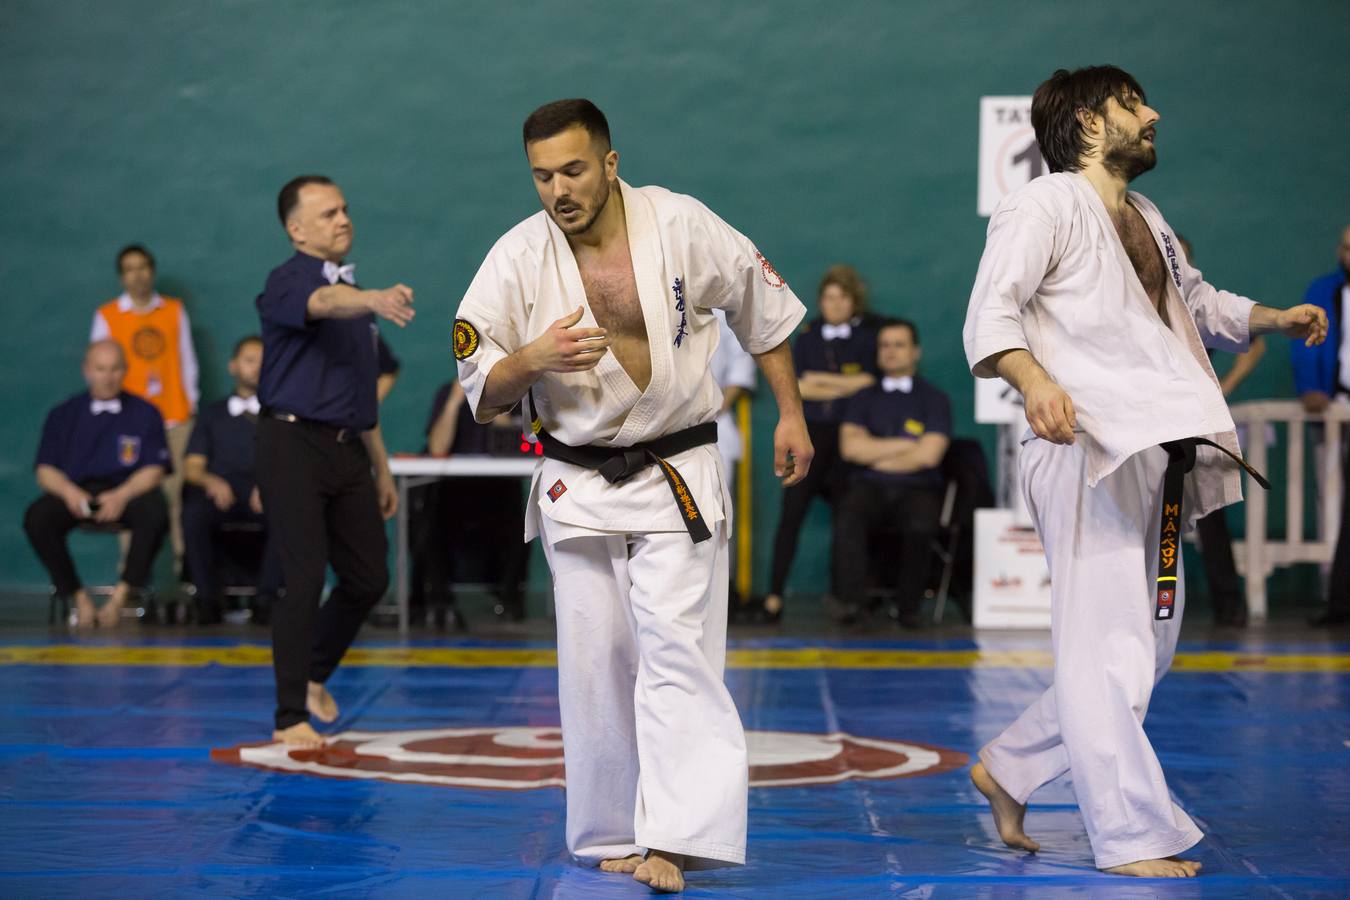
148 343
466 339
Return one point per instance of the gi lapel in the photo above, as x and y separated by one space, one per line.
649 271
611 374
1177 310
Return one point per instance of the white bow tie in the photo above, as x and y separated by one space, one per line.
239 405
101 406
904 384
333 272
841 332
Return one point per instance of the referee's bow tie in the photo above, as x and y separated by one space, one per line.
841 332
902 383
113 406
334 273
239 405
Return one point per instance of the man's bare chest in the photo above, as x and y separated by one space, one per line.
611 291
1144 256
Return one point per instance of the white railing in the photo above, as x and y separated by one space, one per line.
1259 554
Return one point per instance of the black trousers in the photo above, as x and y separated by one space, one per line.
468 529
1338 583
47 523
322 509
869 509
823 480
202 521
1216 552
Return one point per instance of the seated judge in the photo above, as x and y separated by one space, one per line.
221 486
101 460
895 434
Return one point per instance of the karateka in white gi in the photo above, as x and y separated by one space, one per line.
598 312
1085 302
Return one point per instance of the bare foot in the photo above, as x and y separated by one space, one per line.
662 872
321 704
1158 868
627 865
85 612
300 736
110 615
1008 813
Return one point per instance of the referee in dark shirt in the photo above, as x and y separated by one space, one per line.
101 460
836 356
895 433
221 485
322 468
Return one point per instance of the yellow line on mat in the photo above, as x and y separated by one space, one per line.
763 658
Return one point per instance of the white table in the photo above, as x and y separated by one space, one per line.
414 471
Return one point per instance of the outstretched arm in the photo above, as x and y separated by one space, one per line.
1306 321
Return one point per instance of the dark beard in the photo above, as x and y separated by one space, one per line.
1125 157
585 226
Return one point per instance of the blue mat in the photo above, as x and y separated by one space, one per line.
109 788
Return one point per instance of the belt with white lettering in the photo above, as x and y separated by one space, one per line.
615 464
1180 460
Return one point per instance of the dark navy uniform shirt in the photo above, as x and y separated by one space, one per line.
842 356
227 443
321 369
108 447
386 362
924 410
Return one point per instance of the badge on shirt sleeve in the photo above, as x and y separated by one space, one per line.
914 427
128 449
771 276
466 339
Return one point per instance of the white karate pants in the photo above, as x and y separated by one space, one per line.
653 746
1102 547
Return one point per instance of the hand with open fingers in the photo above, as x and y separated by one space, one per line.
393 303
792 450
1306 321
1050 412
567 348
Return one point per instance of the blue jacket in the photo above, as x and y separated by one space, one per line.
1316 368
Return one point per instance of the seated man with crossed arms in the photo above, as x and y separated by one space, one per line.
101 460
895 433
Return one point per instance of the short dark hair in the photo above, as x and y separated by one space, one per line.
243 342
897 322
289 197
1055 106
560 115
130 249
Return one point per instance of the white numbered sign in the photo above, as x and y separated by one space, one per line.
1009 156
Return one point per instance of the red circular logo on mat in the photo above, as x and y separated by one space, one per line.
527 757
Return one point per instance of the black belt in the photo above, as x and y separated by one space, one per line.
618 463
1180 460
340 434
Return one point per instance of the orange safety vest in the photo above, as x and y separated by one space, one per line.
150 341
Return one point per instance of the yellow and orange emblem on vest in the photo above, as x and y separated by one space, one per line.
466 339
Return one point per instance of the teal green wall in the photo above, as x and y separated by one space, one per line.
828 132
